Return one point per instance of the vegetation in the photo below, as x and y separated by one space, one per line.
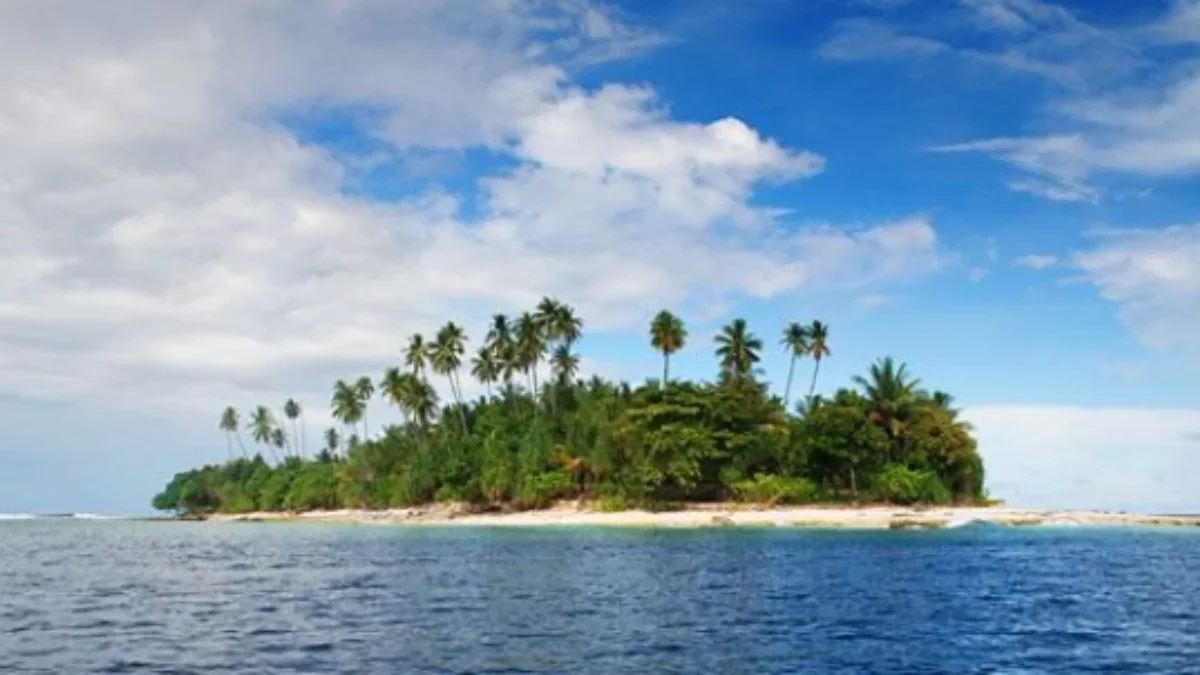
531 443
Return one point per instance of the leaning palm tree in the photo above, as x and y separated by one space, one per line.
292 411
795 340
565 364
530 348
364 389
422 400
668 336
347 408
262 427
891 394
416 354
230 425
486 368
738 349
818 349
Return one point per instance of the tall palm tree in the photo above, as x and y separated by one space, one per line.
262 427
392 387
890 392
486 368
818 349
795 340
291 410
416 354
544 315
279 439
565 325
668 336
566 364
446 356
530 348
230 425
739 350
499 342
347 408
364 389
423 402
332 441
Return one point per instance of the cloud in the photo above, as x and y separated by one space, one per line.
169 238
1036 261
863 39
1077 457
1153 276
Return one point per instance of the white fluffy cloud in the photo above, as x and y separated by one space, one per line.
1154 278
1072 457
167 237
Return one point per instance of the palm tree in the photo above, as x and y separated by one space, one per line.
279 438
544 316
392 387
423 401
332 441
416 355
499 342
292 411
565 326
230 424
566 364
945 402
739 350
890 393
818 349
668 336
262 427
530 348
795 340
364 389
486 368
347 408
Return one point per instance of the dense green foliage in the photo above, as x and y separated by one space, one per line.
531 444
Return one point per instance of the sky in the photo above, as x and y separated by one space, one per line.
215 203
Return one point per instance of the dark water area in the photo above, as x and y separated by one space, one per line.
137 597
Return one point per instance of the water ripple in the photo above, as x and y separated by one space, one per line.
128 597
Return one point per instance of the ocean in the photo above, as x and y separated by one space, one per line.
159 597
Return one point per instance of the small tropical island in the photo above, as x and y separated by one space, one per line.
594 451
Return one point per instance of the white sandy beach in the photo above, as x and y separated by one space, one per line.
722 515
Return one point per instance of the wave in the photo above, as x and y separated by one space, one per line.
57 516
964 521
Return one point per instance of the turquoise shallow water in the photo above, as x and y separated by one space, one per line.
129 597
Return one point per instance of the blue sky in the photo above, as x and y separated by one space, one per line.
235 203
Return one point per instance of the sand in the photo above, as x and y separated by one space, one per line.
721 515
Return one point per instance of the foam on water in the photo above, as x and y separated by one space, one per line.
17 516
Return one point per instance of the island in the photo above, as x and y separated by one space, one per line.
542 445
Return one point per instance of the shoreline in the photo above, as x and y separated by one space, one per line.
718 515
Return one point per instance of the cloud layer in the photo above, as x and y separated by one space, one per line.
167 234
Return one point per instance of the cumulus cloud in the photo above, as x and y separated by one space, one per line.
168 237
1077 457
1153 276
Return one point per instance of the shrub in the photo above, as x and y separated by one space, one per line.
901 485
540 490
769 490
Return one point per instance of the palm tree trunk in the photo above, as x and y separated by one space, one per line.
454 388
787 391
813 385
241 445
666 368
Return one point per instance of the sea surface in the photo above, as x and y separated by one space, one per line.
151 597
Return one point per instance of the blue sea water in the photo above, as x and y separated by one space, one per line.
148 597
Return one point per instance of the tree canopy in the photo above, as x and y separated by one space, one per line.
665 441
